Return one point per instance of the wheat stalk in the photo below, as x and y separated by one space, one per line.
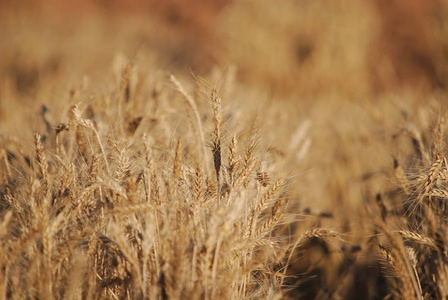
194 108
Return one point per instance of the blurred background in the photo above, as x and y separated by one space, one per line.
307 48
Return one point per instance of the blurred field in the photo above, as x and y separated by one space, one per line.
223 149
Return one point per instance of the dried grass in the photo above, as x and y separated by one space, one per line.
140 185
158 226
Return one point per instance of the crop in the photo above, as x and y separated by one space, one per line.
137 163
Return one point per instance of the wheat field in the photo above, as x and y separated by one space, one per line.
228 149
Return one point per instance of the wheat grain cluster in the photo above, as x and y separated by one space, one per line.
112 205
223 149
